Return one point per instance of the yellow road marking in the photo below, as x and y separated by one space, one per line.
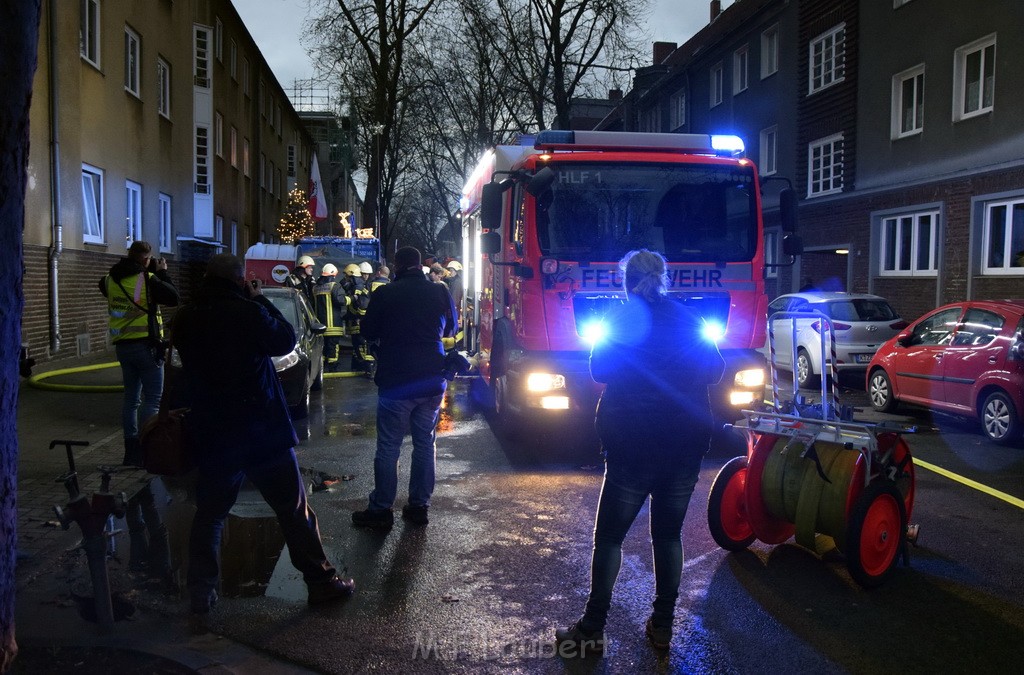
1009 499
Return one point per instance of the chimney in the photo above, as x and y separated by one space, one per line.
716 9
614 94
662 50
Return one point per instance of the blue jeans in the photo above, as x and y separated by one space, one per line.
283 489
627 485
143 378
394 418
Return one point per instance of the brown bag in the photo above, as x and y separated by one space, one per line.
166 446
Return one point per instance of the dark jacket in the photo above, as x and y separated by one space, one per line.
239 413
160 288
657 366
302 281
410 316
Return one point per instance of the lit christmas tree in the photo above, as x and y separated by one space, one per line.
295 221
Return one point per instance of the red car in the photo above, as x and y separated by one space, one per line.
966 358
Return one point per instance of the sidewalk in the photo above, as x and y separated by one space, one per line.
52 569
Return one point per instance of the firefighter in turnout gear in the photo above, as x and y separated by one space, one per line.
359 299
302 277
331 304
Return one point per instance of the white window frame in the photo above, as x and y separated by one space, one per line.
914 79
132 212
132 65
897 224
218 228
218 134
166 231
770 51
163 88
771 253
716 84
818 184
233 59
740 70
677 110
1011 263
201 71
827 59
89 28
92 204
218 39
203 177
961 96
234 147
246 170
768 151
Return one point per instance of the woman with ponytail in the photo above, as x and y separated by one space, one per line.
654 420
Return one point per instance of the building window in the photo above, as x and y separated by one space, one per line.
133 212
828 58
202 58
92 204
740 69
218 39
716 84
271 175
233 60
649 120
89 31
770 51
245 77
263 171
825 166
234 147
771 254
974 78
218 134
218 228
165 222
277 119
908 102
910 244
245 157
677 110
769 151
291 161
899 3
1003 239
163 88
234 237
131 61
278 184
202 177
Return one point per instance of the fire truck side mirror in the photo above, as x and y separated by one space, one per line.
792 245
490 206
490 242
541 181
787 209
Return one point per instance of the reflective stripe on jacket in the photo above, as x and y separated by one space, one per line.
329 309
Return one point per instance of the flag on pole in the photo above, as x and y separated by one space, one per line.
317 201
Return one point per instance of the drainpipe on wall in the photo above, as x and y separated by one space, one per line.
57 239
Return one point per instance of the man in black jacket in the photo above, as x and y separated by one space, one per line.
409 316
240 423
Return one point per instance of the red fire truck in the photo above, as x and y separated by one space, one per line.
544 226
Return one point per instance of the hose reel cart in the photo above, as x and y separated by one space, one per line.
810 469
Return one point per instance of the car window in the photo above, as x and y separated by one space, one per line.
777 305
935 329
869 309
978 328
286 305
842 311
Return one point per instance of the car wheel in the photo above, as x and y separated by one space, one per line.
880 392
999 418
318 382
301 410
804 370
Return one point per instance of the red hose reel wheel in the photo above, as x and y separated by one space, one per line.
875 533
907 480
727 507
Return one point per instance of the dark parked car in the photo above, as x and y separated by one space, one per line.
966 358
302 369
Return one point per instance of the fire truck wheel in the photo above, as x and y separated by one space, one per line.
874 534
727 507
506 422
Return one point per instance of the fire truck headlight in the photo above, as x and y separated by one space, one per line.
753 377
713 331
594 332
544 381
741 398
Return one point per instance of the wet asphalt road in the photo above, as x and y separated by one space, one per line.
506 556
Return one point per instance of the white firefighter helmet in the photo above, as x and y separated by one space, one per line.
306 261
426 270
455 265
365 268
329 270
351 270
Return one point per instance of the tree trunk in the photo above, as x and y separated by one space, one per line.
20 21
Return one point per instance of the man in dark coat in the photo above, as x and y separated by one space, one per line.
240 424
409 316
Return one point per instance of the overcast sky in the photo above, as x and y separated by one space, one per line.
277 25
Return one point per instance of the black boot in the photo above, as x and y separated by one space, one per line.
132 452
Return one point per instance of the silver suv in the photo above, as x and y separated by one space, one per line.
862 323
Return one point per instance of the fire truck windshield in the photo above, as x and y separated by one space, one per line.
688 212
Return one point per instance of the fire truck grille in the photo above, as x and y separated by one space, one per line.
714 307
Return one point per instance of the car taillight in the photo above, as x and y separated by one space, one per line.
836 326
899 325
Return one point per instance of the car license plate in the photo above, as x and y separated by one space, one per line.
862 358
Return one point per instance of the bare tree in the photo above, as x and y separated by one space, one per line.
17 67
